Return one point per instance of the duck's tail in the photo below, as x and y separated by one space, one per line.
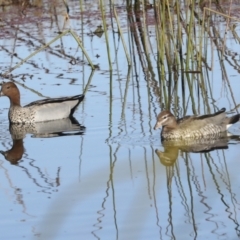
233 119
79 98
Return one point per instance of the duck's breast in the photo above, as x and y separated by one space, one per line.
18 114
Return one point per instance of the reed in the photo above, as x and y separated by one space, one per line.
172 61
102 9
122 37
47 45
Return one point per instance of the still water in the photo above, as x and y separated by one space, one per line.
112 181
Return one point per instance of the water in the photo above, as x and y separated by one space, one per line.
108 183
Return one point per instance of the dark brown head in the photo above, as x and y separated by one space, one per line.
10 90
165 119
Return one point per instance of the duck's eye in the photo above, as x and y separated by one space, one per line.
164 117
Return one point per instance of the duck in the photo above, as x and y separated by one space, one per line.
204 126
38 111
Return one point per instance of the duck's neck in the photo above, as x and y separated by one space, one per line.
171 125
15 99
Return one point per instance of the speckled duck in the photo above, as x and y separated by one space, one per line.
38 111
204 126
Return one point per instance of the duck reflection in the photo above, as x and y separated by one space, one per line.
14 154
172 147
57 128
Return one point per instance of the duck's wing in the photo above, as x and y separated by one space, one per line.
205 121
79 97
53 103
179 120
54 108
211 115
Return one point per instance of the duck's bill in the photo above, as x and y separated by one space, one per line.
157 125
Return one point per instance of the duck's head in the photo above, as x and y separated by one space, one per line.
165 119
9 89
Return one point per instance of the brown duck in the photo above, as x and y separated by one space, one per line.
204 126
39 111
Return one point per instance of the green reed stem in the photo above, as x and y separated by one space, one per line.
122 38
144 29
190 86
105 33
125 93
37 51
173 40
46 45
76 37
89 82
66 5
190 36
